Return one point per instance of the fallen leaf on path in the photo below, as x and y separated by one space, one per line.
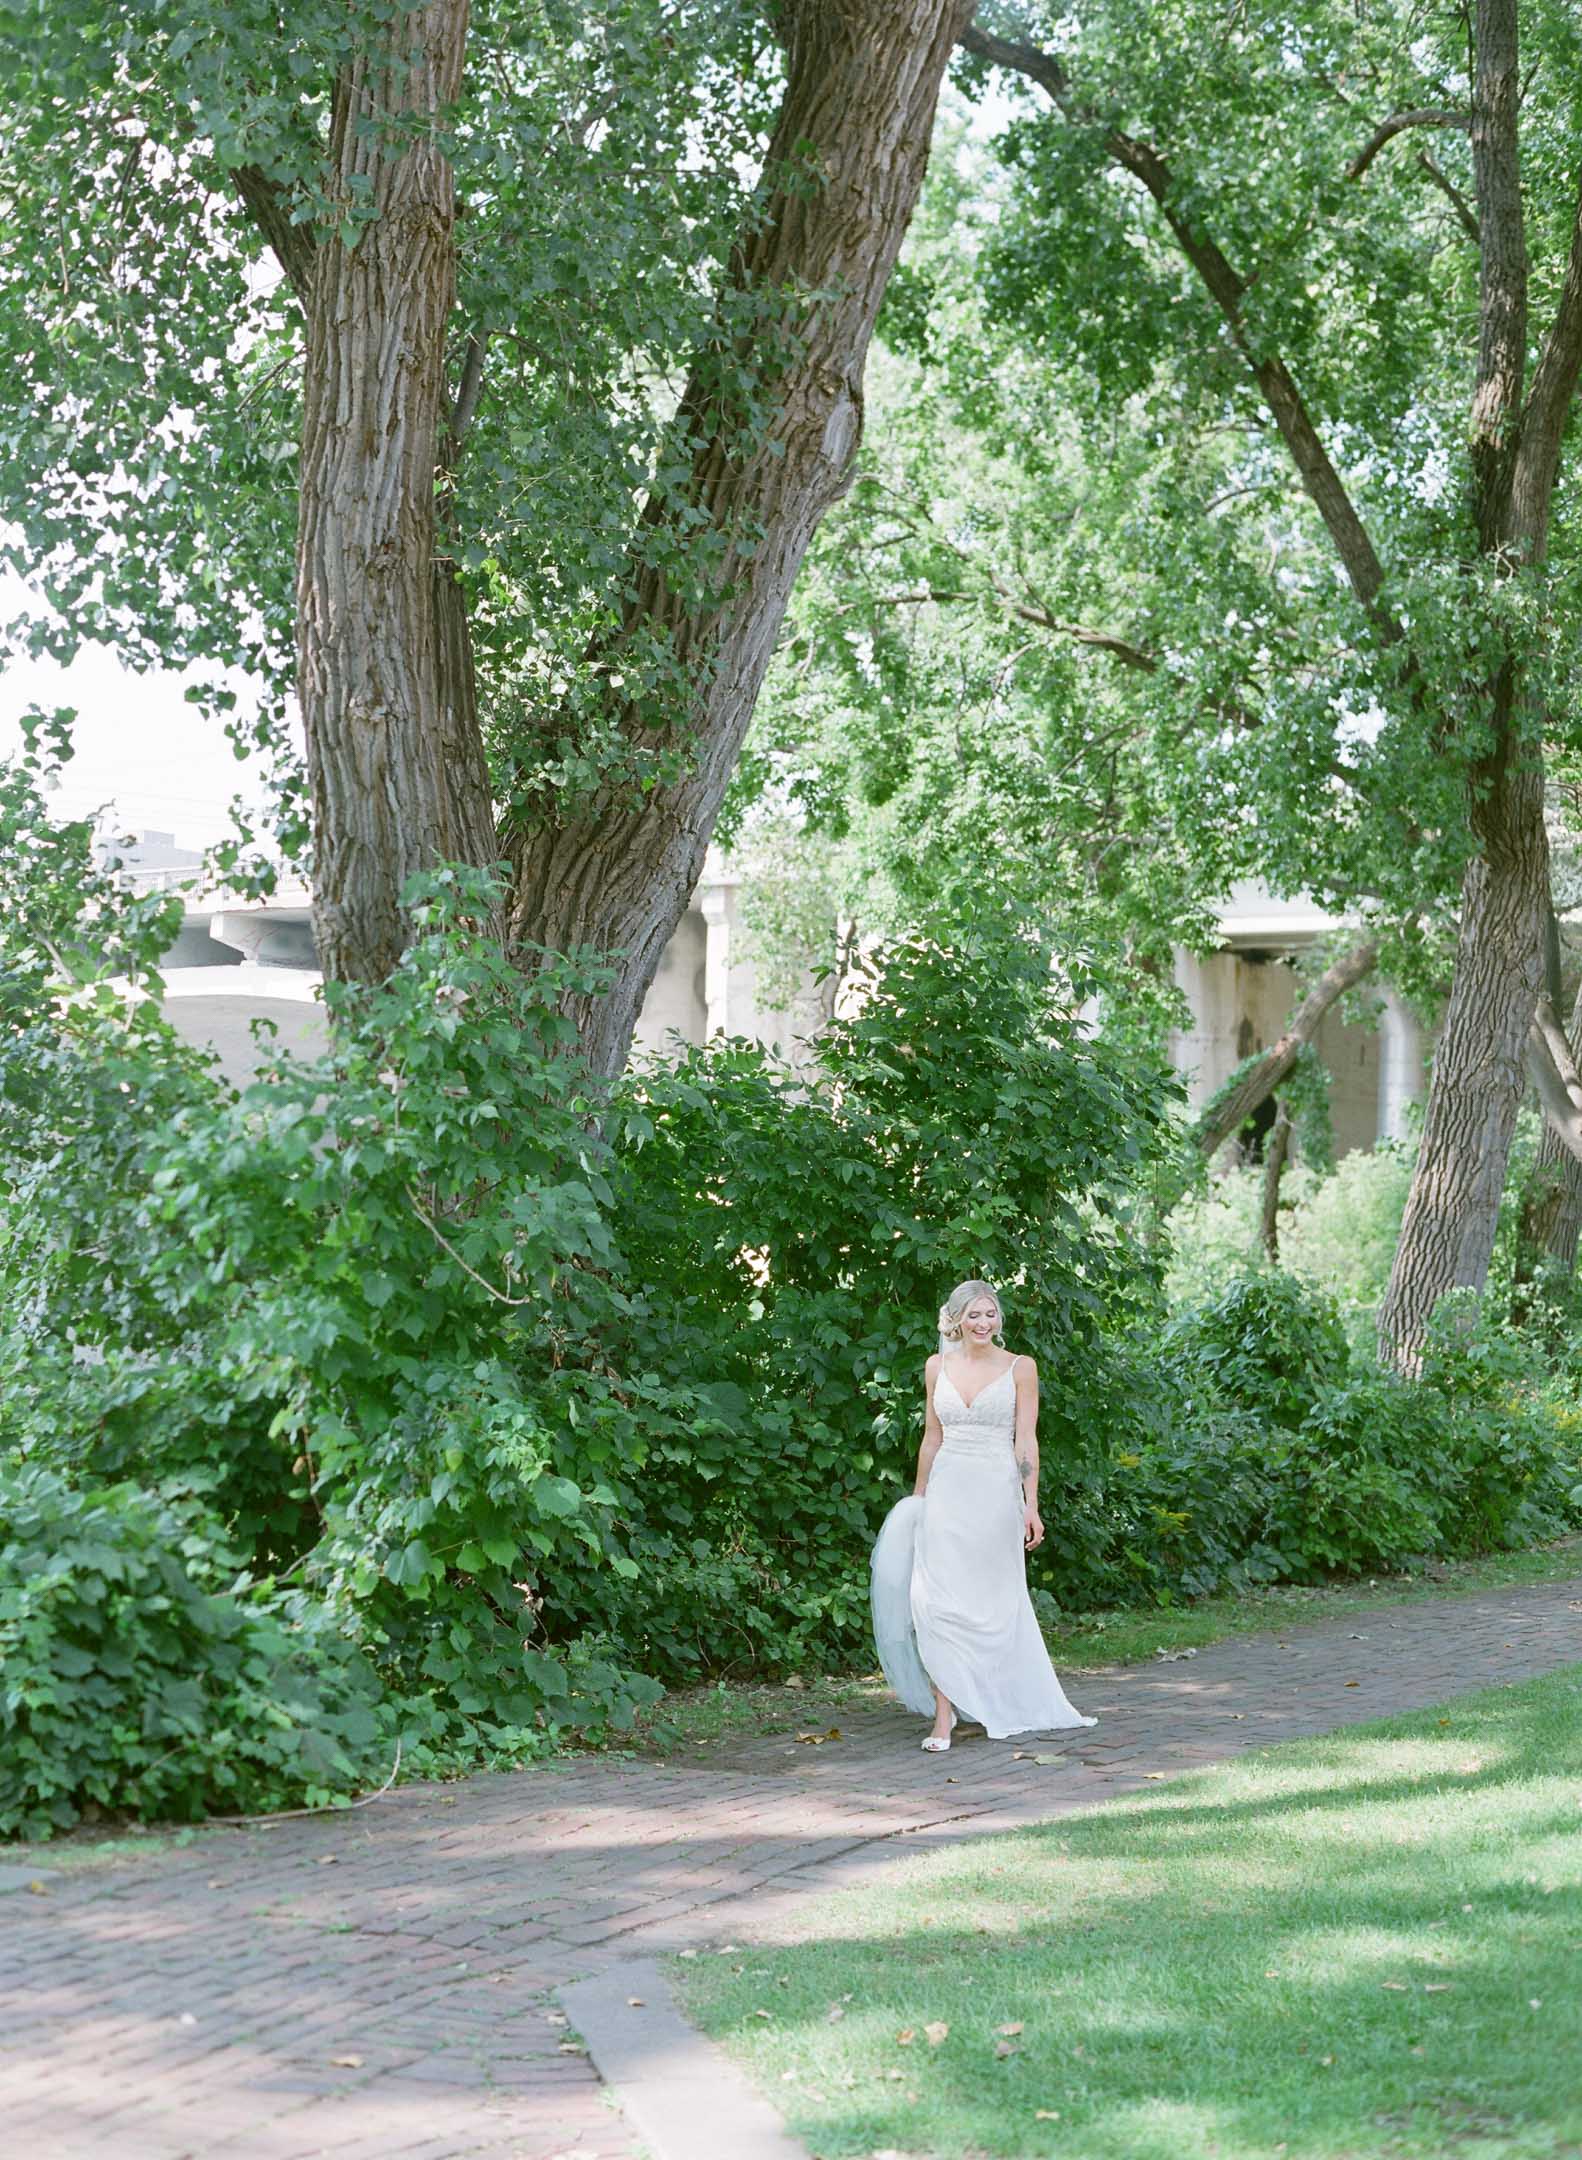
762 2013
1010 2031
1046 2114
1048 1758
347 2062
1353 1683
1396 1987
39 1889
686 1953
328 1859
935 2033
635 2002
1154 1777
906 2036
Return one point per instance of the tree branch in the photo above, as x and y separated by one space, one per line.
1079 633
1424 116
1502 282
293 245
470 388
1230 1110
1548 406
1553 1072
1227 289
1465 214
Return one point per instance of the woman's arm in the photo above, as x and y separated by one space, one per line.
1027 1449
932 1435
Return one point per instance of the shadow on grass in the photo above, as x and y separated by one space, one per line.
1345 1947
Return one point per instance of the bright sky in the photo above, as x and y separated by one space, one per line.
139 746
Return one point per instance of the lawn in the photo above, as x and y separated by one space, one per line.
1363 1945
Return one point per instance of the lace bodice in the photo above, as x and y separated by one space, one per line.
986 1425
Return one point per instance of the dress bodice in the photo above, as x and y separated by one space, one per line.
986 1425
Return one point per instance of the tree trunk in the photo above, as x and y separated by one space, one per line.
842 174
1452 1210
1552 1211
392 794
1276 1154
1227 1113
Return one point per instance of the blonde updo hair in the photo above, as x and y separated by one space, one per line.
950 1313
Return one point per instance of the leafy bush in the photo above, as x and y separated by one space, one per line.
1266 1343
793 1235
1269 1451
132 1681
540 1395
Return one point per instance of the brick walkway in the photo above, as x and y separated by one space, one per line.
378 1983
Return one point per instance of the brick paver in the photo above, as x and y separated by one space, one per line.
379 1982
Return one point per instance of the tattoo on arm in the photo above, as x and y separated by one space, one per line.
1026 1468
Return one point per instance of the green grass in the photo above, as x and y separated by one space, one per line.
1353 1948
690 1720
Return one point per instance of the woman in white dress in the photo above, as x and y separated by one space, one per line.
953 1623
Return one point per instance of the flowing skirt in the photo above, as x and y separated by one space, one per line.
950 1603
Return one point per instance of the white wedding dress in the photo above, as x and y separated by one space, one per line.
949 1582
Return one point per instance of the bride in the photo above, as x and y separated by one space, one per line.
952 1620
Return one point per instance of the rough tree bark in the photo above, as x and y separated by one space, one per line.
393 763
845 166
1276 1154
1452 1209
1552 1211
1227 1113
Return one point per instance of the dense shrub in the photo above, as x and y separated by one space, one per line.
543 1397
138 1675
539 1395
1269 1451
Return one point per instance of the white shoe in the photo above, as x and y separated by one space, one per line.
934 1746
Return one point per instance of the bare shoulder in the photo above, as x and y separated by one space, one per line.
1026 1370
931 1367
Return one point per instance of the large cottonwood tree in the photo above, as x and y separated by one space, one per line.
616 652
1453 606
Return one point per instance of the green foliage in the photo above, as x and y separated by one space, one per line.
1273 1452
1338 1231
140 1675
797 1232
423 1392
1267 1344
604 166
